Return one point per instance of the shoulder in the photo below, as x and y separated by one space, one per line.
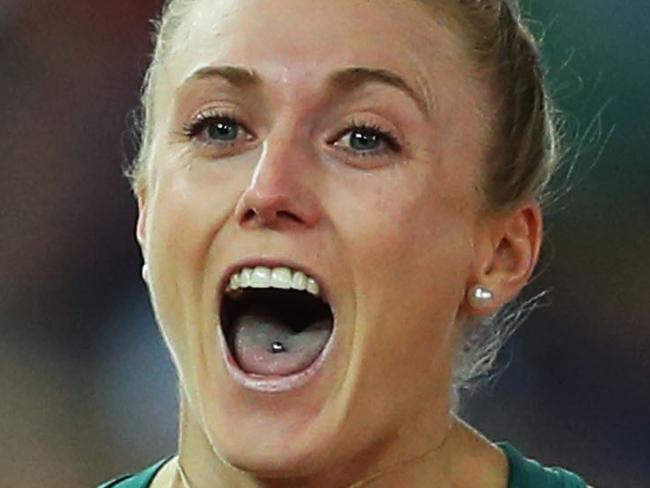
528 473
138 480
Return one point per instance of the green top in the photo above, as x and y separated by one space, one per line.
140 480
524 473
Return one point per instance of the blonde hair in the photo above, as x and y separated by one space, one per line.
520 162
171 18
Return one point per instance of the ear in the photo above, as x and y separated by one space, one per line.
507 250
141 225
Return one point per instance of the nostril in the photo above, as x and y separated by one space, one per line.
249 215
270 217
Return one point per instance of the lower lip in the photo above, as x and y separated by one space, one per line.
274 384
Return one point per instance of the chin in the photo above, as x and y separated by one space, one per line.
284 432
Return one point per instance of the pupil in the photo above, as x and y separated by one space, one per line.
364 140
223 130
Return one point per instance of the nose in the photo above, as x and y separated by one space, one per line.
283 190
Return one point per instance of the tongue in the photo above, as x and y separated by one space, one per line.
265 345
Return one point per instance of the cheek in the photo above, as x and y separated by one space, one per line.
191 203
409 247
188 209
406 232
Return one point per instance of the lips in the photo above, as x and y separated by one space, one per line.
276 328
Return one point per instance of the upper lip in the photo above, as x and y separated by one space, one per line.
273 262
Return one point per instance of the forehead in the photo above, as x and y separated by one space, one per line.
298 42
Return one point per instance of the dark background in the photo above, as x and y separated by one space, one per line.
86 387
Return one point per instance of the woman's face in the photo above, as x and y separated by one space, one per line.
385 223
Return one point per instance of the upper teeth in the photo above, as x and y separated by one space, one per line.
281 277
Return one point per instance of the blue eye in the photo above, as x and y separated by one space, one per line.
368 140
215 128
359 139
364 140
224 130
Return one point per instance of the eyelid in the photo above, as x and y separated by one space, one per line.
194 131
391 138
206 115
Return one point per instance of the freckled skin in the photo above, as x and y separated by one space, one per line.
393 238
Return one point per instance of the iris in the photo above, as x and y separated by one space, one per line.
364 140
223 130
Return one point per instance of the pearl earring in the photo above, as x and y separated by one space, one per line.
480 296
145 273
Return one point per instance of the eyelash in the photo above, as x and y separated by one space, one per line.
197 127
390 141
203 120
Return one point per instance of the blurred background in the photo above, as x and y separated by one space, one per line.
87 390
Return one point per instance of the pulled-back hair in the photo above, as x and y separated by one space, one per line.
523 152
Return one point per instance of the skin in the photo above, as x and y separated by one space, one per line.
396 239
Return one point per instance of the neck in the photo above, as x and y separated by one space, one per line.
459 457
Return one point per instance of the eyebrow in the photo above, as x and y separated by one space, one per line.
235 75
346 79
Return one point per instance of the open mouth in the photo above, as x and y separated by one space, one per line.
274 321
